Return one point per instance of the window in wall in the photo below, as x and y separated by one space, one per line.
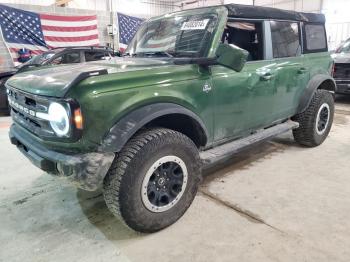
246 35
315 37
285 39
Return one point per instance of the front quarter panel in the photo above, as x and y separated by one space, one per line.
106 99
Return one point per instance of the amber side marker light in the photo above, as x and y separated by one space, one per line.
78 119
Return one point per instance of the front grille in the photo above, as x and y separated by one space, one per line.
341 70
24 108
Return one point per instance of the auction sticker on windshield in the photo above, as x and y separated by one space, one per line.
195 25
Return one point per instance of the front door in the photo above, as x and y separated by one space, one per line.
243 99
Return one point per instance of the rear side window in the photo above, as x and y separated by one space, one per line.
95 56
285 39
315 38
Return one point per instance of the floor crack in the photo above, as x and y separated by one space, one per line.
245 213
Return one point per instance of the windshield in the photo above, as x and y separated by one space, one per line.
344 48
185 36
39 59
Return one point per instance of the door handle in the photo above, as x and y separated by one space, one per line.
266 77
302 70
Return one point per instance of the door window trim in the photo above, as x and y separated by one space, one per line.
299 33
267 37
264 38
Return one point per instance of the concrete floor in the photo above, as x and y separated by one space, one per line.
276 202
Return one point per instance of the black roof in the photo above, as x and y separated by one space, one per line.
258 12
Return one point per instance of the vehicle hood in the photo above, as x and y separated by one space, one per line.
341 58
55 81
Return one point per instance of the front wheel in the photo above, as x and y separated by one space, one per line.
153 180
316 121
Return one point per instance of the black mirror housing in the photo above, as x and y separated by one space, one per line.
231 56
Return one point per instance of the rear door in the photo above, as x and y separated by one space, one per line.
292 72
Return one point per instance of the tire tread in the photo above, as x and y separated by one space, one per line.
114 177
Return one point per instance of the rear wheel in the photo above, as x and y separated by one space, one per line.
153 180
316 121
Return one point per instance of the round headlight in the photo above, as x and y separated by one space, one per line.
59 119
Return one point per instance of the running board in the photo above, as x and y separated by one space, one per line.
224 151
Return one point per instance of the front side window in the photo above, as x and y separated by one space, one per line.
246 35
40 59
315 37
186 36
285 39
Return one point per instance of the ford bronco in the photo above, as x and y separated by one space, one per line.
193 88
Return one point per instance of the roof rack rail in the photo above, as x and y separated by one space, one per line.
91 47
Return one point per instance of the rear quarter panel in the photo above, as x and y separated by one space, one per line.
319 63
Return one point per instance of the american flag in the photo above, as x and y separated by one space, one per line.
39 32
128 25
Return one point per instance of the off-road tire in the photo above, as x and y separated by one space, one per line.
123 182
307 134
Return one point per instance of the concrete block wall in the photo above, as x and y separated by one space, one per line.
103 19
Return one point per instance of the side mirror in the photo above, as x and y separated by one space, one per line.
117 53
231 56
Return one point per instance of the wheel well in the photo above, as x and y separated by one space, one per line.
328 84
183 124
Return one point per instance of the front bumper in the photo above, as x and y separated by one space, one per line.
343 86
86 171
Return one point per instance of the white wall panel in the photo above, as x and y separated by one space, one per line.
338 21
145 8
29 2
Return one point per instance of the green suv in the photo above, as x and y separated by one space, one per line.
193 88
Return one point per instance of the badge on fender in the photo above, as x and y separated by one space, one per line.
206 87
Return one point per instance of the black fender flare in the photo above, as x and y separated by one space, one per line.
311 88
129 124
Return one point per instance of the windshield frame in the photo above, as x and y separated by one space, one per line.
33 61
